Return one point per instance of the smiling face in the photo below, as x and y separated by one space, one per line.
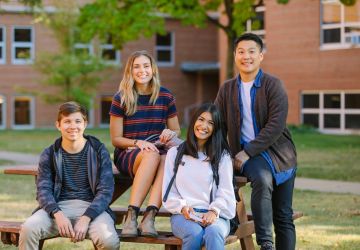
72 127
203 128
247 59
142 71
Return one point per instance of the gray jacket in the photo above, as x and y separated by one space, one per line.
270 113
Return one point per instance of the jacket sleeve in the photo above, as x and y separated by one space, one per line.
105 186
174 202
277 102
45 183
224 202
220 103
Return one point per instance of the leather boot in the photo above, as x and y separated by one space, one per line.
130 224
147 227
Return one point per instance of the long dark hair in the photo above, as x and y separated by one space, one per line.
216 145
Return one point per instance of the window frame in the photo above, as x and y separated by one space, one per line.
3 112
3 45
342 25
30 45
101 123
88 46
262 32
32 112
170 48
322 111
117 60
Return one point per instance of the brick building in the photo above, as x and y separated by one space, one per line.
313 46
187 58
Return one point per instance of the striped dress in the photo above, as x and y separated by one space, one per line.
148 120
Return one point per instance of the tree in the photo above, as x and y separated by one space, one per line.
73 75
128 20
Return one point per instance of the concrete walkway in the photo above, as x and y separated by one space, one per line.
300 183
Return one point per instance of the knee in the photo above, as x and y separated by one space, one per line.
263 180
28 230
151 156
107 241
111 243
283 218
214 233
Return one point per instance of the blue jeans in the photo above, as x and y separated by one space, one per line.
194 235
271 204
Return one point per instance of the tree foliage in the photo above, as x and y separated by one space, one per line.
128 20
74 75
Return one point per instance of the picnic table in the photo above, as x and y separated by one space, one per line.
10 230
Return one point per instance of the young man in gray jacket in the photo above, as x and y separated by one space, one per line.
75 185
254 106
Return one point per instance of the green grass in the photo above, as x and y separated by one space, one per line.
327 223
332 157
6 162
34 141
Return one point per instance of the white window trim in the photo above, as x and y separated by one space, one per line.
342 44
170 48
249 22
321 111
3 45
101 124
32 113
91 115
22 44
88 46
117 54
3 111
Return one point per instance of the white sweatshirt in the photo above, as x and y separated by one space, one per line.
193 183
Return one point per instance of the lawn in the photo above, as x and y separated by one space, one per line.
327 223
331 221
332 157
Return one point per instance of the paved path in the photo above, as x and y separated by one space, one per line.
327 186
300 183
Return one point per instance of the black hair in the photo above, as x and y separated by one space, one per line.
216 145
249 37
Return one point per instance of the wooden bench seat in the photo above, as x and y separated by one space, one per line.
10 235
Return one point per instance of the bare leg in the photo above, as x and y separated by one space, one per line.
145 167
155 194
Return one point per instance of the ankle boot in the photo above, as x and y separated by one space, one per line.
147 227
130 224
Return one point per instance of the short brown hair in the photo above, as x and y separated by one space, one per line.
69 108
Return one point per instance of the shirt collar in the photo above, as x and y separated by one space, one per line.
257 82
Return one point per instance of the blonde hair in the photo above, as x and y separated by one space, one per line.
129 95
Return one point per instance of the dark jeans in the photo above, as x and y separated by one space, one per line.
271 204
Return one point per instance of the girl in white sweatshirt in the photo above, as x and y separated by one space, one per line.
198 183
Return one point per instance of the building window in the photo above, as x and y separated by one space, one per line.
340 24
104 111
22 45
23 111
165 49
337 112
2 112
2 45
83 49
256 25
108 53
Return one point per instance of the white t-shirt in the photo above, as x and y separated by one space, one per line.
247 127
